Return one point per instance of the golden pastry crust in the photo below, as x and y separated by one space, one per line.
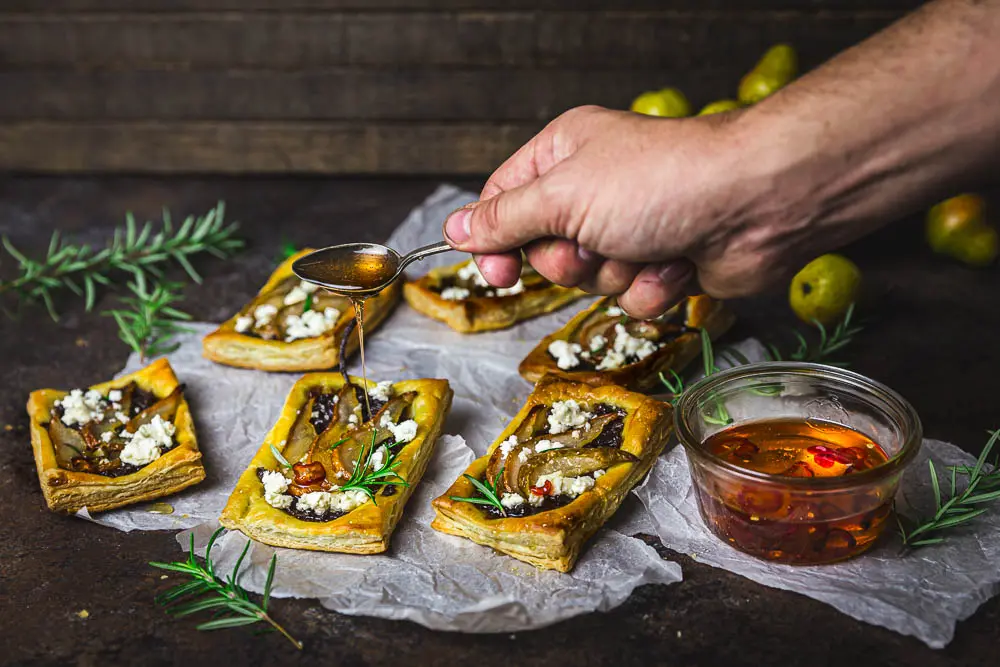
365 530
69 491
703 312
553 539
483 313
227 346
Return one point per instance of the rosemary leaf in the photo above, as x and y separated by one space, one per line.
230 600
960 507
133 249
488 492
150 322
281 459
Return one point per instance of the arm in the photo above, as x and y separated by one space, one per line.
638 206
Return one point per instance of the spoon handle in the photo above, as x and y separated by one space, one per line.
420 253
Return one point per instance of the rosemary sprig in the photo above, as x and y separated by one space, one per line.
829 342
133 249
228 600
960 507
369 481
488 491
149 323
307 306
676 385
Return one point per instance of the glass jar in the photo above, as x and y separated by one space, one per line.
790 519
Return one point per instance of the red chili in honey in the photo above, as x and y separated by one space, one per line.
543 490
791 523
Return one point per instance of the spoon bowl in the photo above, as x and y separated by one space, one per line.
358 269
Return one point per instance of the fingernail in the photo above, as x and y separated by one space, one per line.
458 226
675 272
585 254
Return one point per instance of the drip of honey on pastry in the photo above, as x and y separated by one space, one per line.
160 508
359 315
356 275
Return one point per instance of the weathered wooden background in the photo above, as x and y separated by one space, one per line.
364 86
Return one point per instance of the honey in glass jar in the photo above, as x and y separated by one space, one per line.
796 463
789 525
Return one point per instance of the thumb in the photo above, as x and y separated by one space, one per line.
503 222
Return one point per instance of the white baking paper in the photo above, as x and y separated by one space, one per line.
448 583
440 581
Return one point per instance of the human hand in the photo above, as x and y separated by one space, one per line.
618 203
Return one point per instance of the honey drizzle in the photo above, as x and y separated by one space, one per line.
359 316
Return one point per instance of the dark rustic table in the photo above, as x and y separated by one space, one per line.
931 335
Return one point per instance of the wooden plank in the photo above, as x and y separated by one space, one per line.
337 94
199 6
329 148
309 41
423 5
691 41
179 40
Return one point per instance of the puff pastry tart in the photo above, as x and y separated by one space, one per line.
293 326
460 297
602 345
116 443
328 477
557 473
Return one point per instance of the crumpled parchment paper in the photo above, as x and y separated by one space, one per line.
448 583
440 581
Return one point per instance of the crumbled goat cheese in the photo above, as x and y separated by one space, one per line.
379 457
471 271
522 456
319 502
107 436
264 314
115 395
243 324
565 353
275 485
455 294
402 432
299 293
612 360
80 407
512 500
597 342
535 500
506 446
630 345
353 419
546 445
566 415
310 324
614 311
599 474
148 442
381 391
626 346
566 486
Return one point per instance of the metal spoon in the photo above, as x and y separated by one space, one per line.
359 269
